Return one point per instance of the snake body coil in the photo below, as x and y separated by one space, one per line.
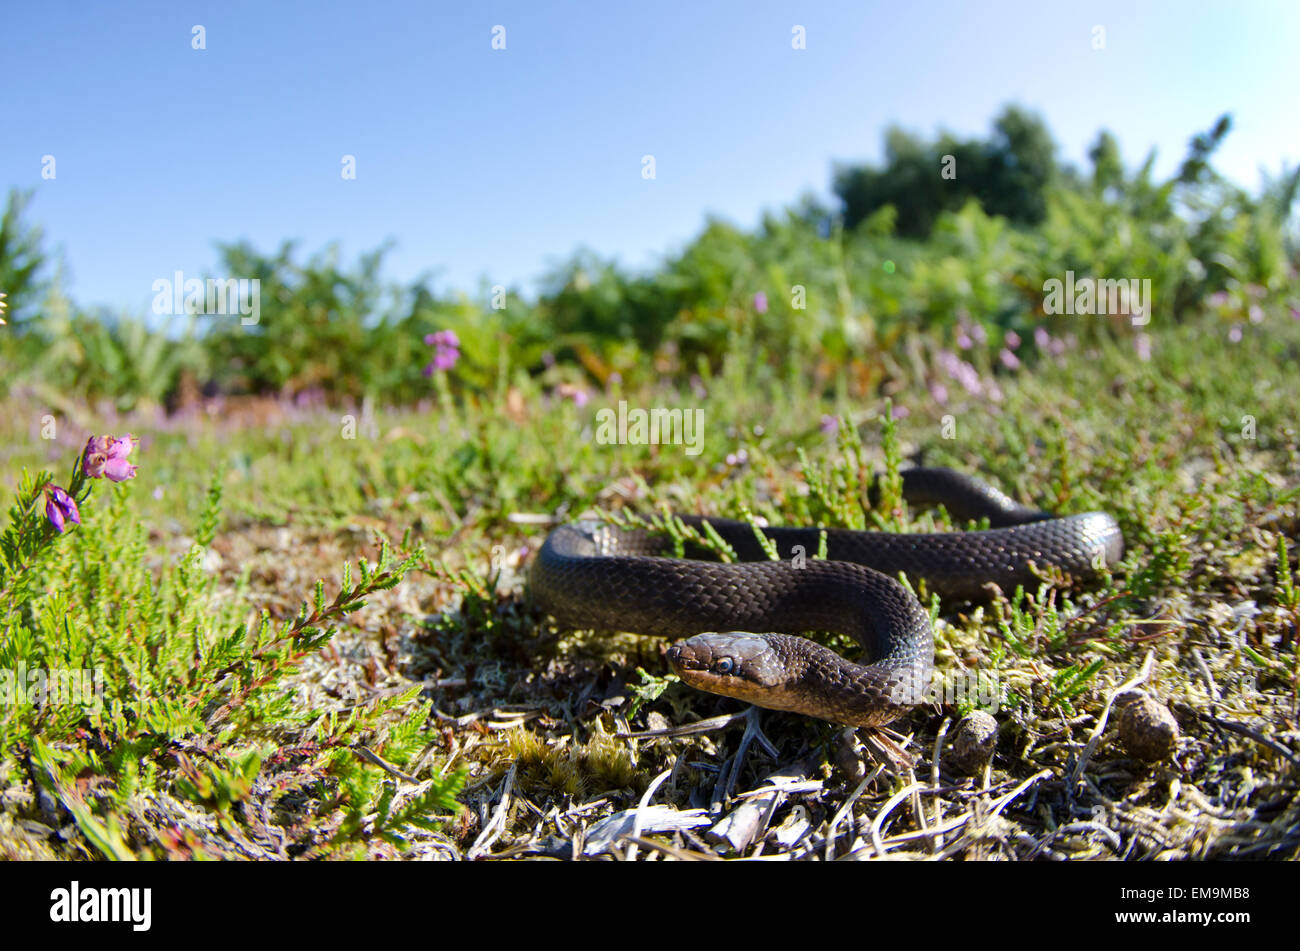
593 575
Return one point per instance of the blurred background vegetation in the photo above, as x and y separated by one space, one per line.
859 293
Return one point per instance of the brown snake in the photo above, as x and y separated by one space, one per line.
592 575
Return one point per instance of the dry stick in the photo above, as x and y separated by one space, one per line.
844 808
889 806
1245 731
492 831
685 855
373 758
636 819
1095 740
937 841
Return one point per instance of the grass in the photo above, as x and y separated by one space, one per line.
252 710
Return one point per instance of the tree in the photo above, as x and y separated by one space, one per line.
21 259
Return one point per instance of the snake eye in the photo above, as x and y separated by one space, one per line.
724 665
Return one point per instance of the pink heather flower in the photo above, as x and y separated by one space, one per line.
1011 339
995 393
1042 338
900 412
939 392
443 338
570 391
1295 311
60 507
1256 314
963 341
446 352
1009 359
977 331
1218 299
106 456
760 302
830 425
1142 342
1235 333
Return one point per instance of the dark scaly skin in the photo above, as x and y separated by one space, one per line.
591 575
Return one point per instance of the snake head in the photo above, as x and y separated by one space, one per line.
735 664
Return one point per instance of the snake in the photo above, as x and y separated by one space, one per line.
742 622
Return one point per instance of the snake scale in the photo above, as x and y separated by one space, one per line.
592 575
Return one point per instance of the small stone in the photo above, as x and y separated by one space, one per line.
1146 727
974 743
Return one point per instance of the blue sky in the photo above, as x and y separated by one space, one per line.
494 165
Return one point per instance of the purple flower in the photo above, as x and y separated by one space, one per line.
939 392
900 412
963 341
443 338
977 331
1042 338
1218 299
106 456
60 507
1142 342
830 425
760 302
1009 359
573 392
1012 339
446 350
1235 333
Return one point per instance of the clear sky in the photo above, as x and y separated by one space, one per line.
495 164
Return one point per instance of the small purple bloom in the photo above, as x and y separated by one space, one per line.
830 425
1012 339
1009 359
1042 338
60 507
1235 333
900 412
446 350
1142 342
963 340
939 392
570 391
105 456
760 302
977 331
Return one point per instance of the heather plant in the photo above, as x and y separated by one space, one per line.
186 699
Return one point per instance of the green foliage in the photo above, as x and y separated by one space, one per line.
846 293
94 643
22 260
1010 174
